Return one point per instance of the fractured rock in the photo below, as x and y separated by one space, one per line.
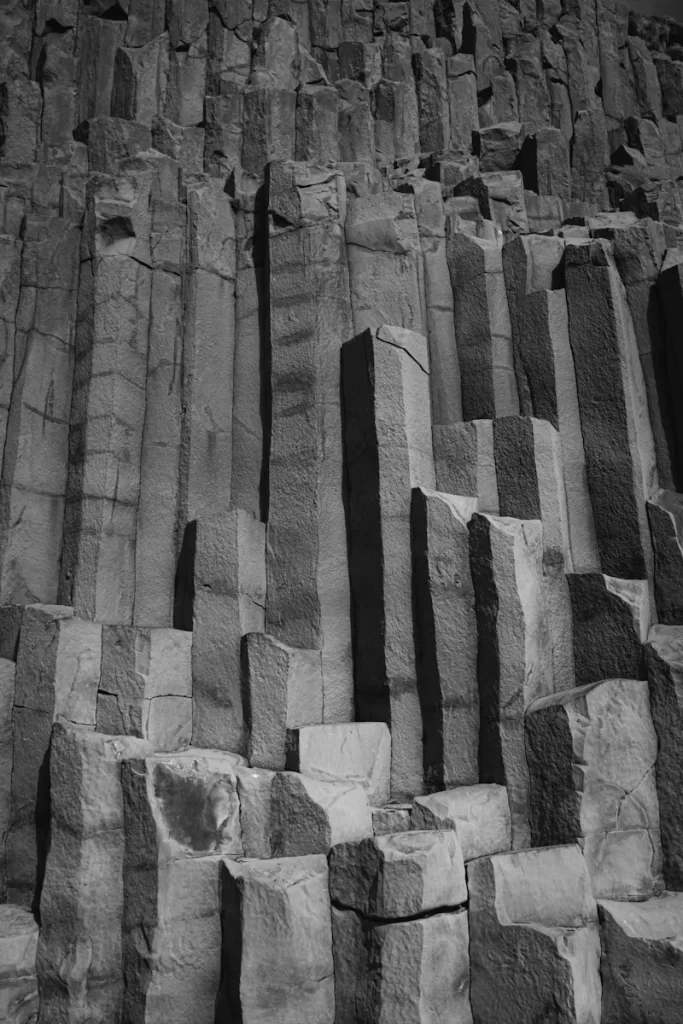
591 754
480 816
665 513
611 619
19 999
357 752
310 816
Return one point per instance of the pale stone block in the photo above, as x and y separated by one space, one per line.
479 815
19 999
358 752
309 816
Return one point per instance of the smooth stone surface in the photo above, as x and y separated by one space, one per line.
359 752
480 816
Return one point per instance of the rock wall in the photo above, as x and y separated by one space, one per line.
341 512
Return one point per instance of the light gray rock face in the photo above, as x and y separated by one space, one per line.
664 653
254 787
282 689
464 462
446 630
7 674
357 752
614 419
388 451
479 815
591 755
309 816
641 959
277 950
534 908
665 513
514 654
18 981
57 674
418 969
145 686
181 816
229 601
310 318
79 953
401 875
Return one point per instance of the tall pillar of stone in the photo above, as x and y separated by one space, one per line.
388 451
308 602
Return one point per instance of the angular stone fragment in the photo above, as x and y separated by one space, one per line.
620 456
446 645
400 875
230 588
591 754
534 909
664 654
393 818
254 786
357 752
140 80
317 123
388 450
58 669
145 686
416 969
385 259
310 816
81 907
19 997
276 926
642 960
181 815
464 462
282 689
480 816
310 318
482 327
500 145
514 656
611 618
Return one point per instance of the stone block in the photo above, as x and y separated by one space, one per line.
479 815
282 689
230 589
81 906
533 908
19 999
464 462
462 101
641 965
611 619
429 67
393 818
446 637
254 787
145 686
664 654
276 925
665 514
356 752
400 875
7 673
140 80
416 969
590 157
514 656
317 115
591 754
181 816
309 816
269 127
388 451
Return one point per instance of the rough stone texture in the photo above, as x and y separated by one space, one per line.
611 619
447 630
282 689
229 601
388 451
81 905
591 755
464 462
357 752
7 674
401 875
664 654
641 959
416 969
514 656
145 686
534 908
310 816
18 982
665 513
276 922
181 816
480 816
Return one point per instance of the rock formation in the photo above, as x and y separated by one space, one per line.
341 512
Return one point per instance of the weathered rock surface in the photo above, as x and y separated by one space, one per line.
611 619
310 816
358 752
18 982
479 815
534 908
665 513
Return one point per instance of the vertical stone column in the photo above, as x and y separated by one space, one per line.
446 638
310 317
108 404
464 462
620 455
388 451
514 654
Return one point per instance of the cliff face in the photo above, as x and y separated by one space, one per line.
341 524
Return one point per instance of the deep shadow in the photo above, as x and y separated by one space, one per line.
183 596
